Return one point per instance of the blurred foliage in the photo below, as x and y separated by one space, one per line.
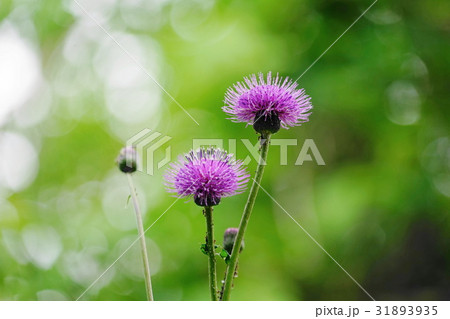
379 206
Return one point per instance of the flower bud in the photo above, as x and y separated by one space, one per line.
127 159
229 238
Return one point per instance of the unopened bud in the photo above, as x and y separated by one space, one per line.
229 237
127 159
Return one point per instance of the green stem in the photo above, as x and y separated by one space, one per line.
210 246
225 277
265 141
140 227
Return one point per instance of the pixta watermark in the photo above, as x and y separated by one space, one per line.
154 151
146 143
308 151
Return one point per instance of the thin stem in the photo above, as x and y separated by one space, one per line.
140 227
210 246
265 141
224 278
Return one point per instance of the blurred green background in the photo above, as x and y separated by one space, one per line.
70 98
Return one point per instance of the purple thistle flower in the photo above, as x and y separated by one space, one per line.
267 103
207 174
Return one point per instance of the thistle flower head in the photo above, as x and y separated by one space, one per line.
127 159
229 238
207 174
267 103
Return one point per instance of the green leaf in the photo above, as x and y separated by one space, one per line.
223 253
225 256
128 199
204 249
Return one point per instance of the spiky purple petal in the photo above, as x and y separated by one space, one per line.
265 97
207 175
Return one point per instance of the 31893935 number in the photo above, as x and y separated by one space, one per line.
407 310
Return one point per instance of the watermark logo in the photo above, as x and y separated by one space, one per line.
154 152
146 143
308 152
